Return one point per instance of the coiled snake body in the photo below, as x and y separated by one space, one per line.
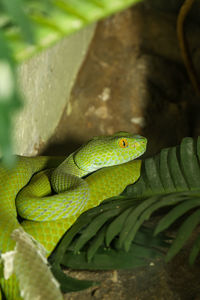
49 194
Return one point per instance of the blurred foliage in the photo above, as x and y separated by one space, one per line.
113 236
28 26
96 256
9 98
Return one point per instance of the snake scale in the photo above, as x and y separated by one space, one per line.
49 193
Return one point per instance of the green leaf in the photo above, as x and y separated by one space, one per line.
162 202
195 251
132 218
96 243
140 254
76 9
183 234
15 8
69 284
46 22
189 163
175 170
116 225
56 256
93 227
176 213
165 174
141 188
9 99
153 176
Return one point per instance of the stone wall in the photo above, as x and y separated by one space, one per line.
46 81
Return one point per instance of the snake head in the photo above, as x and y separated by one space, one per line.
105 151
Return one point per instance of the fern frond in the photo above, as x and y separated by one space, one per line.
183 234
176 213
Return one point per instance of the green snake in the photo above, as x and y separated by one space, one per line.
49 193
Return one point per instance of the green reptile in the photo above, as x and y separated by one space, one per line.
49 193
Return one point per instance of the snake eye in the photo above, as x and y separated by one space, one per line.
123 143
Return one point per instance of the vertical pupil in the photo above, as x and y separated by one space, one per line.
124 144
